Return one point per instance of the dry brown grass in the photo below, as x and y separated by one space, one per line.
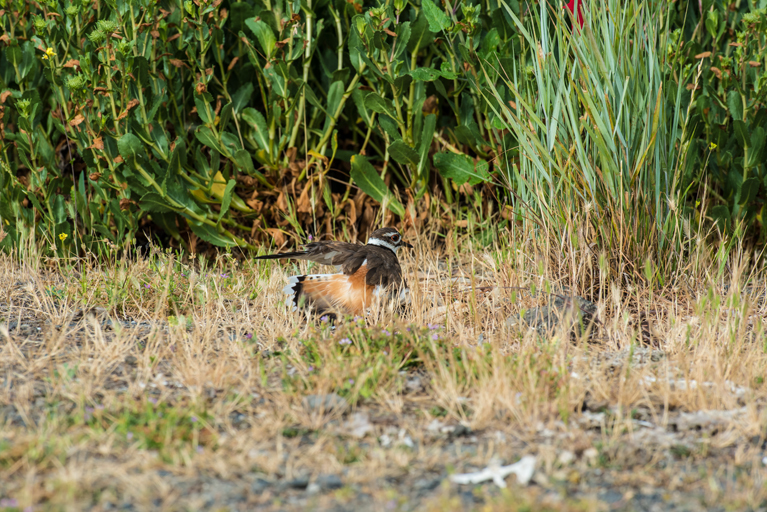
154 414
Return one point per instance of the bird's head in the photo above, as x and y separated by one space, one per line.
389 238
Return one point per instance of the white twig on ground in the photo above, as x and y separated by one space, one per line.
524 469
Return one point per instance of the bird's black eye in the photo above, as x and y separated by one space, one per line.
395 238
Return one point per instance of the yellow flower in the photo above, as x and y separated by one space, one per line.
711 146
49 52
63 236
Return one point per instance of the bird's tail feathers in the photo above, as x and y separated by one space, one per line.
280 256
295 287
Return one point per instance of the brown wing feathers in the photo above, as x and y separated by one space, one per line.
327 253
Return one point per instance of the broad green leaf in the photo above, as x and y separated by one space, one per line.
218 189
335 94
225 116
402 84
210 235
227 199
264 35
269 18
755 148
242 97
333 147
403 153
748 190
356 50
141 71
157 101
466 135
389 126
425 74
130 147
205 135
312 98
178 157
256 119
359 100
712 20
29 62
167 221
491 41
429 124
202 109
277 81
368 180
438 20
439 86
741 132
460 168
420 35
403 37
230 141
239 12
341 75
13 53
59 209
735 104
376 103
245 164
721 215
154 202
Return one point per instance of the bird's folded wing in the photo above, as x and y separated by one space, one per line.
330 253
326 253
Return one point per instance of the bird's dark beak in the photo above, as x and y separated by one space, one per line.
405 244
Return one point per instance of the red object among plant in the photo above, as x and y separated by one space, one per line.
571 5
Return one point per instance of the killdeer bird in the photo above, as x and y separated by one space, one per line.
368 272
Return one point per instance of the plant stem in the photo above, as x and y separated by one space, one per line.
307 63
326 136
110 90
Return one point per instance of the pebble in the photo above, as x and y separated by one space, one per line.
299 483
329 482
591 455
566 457
259 485
331 402
611 497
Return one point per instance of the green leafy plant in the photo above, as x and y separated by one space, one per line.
724 49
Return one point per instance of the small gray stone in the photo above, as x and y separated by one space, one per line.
329 482
24 329
427 484
579 312
460 430
611 497
413 384
331 402
259 485
302 482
